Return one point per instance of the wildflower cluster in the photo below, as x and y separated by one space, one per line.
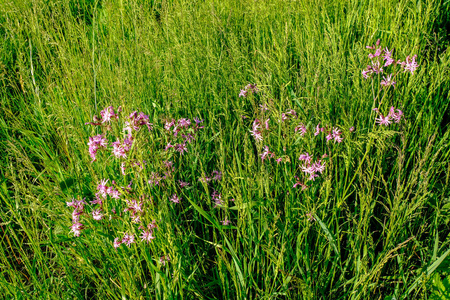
394 115
182 133
261 132
381 59
78 209
120 149
248 88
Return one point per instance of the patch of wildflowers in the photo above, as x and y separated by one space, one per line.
96 143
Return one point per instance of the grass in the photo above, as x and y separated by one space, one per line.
381 209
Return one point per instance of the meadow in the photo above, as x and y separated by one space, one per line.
224 149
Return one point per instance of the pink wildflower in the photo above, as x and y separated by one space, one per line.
217 198
264 107
183 184
97 215
107 114
318 130
267 124
122 168
225 222
216 175
266 153
306 157
164 259
337 135
255 130
411 64
76 228
388 81
396 116
387 57
382 120
95 143
128 239
301 129
365 73
117 243
147 236
175 198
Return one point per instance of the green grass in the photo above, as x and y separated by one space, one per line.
381 208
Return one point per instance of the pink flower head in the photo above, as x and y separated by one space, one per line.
376 67
147 236
396 116
387 57
310 217
337 135
128 239
318 130
382 120
301 129
76 228
267 124
97 214
255 130
216 175
122 168
78 205
266 153
217 198
374 46
298 183
243 93
175 198
168 124
184 122
388 81
365 73
329 136
411 64
164 259
305 157
319 166
108 114
278 160
117 243
183 184
181 148
264 107
225 222
121 150
292 113
95 143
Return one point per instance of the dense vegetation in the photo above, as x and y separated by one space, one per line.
268 158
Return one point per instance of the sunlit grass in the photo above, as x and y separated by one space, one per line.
373 225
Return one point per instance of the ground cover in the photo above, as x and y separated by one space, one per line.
224 149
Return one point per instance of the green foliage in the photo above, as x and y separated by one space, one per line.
375 226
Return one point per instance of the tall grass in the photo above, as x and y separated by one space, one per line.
381 213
